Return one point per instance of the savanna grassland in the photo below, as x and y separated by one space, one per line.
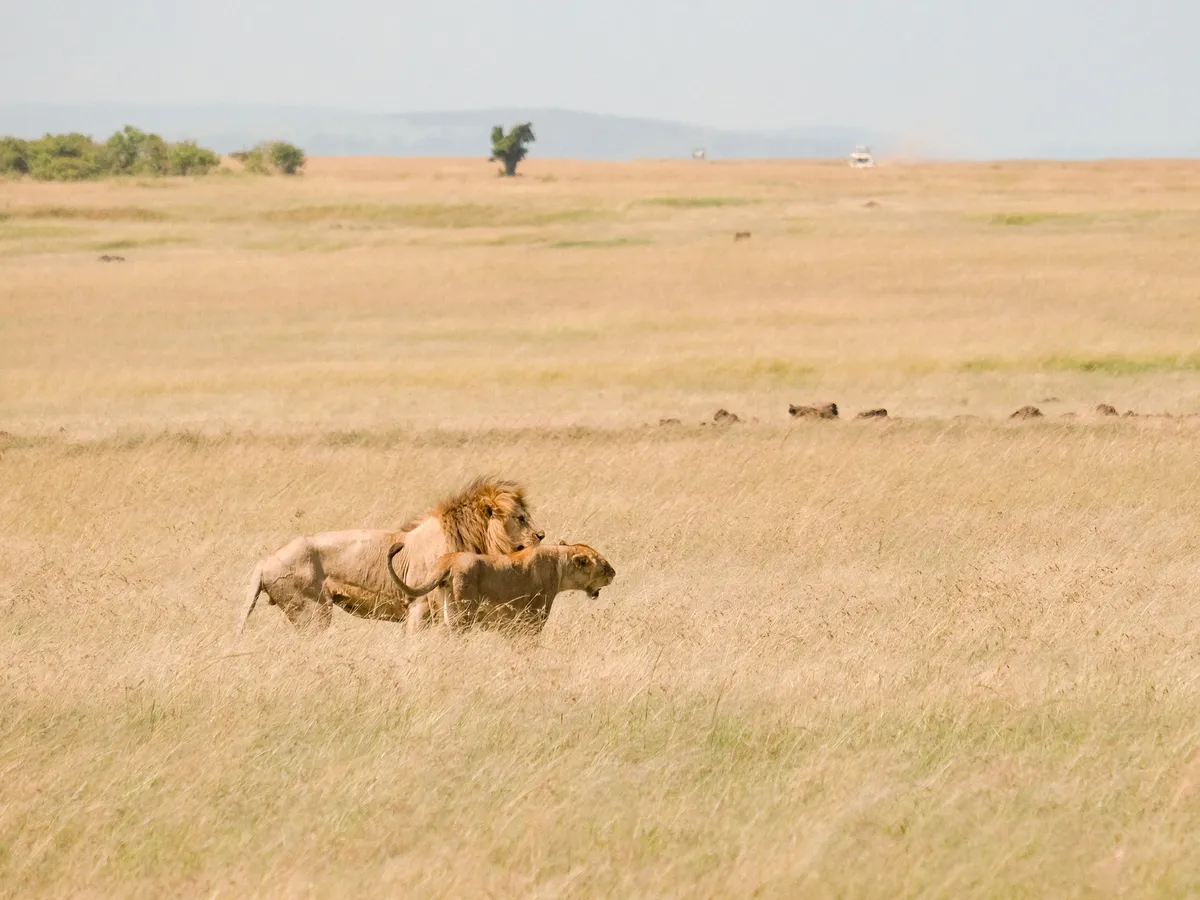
947 654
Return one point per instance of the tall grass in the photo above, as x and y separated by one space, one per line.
923 656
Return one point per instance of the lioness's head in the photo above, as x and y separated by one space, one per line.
586 570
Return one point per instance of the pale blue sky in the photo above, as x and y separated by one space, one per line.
1007 77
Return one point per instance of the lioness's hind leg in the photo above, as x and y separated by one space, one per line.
307 610
301 612
310 616
323 615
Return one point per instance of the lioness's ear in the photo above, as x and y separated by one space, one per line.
581 560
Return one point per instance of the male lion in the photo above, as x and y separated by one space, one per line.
351 569
514 590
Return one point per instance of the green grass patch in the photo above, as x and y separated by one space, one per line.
435 215
14 232
160 183
132 243
1107 364
93 213
1024 220
609 242
986 364
299 245
706 372
9 441
1123 365
511 240
698 202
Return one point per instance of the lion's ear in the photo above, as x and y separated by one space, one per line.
490 512
581 560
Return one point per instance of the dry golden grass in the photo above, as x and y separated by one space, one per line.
927 657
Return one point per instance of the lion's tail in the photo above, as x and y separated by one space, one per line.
440 570
256 587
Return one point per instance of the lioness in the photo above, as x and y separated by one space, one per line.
310 575
515 590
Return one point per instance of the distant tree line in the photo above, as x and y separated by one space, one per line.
131 151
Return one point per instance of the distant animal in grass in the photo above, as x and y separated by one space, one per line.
817 411
741 236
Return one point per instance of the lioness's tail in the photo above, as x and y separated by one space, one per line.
440 570
252 593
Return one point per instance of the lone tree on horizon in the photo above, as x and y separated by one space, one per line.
511 148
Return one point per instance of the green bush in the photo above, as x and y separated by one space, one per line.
253 160
65 157
121 150
278 155
14 156
287 158
134 152
186 158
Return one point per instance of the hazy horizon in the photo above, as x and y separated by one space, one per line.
561 134
1064 77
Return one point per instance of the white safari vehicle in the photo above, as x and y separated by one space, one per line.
861 158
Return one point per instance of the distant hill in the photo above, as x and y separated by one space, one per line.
332 132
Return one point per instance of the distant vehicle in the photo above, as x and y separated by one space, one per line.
861 158
699 153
